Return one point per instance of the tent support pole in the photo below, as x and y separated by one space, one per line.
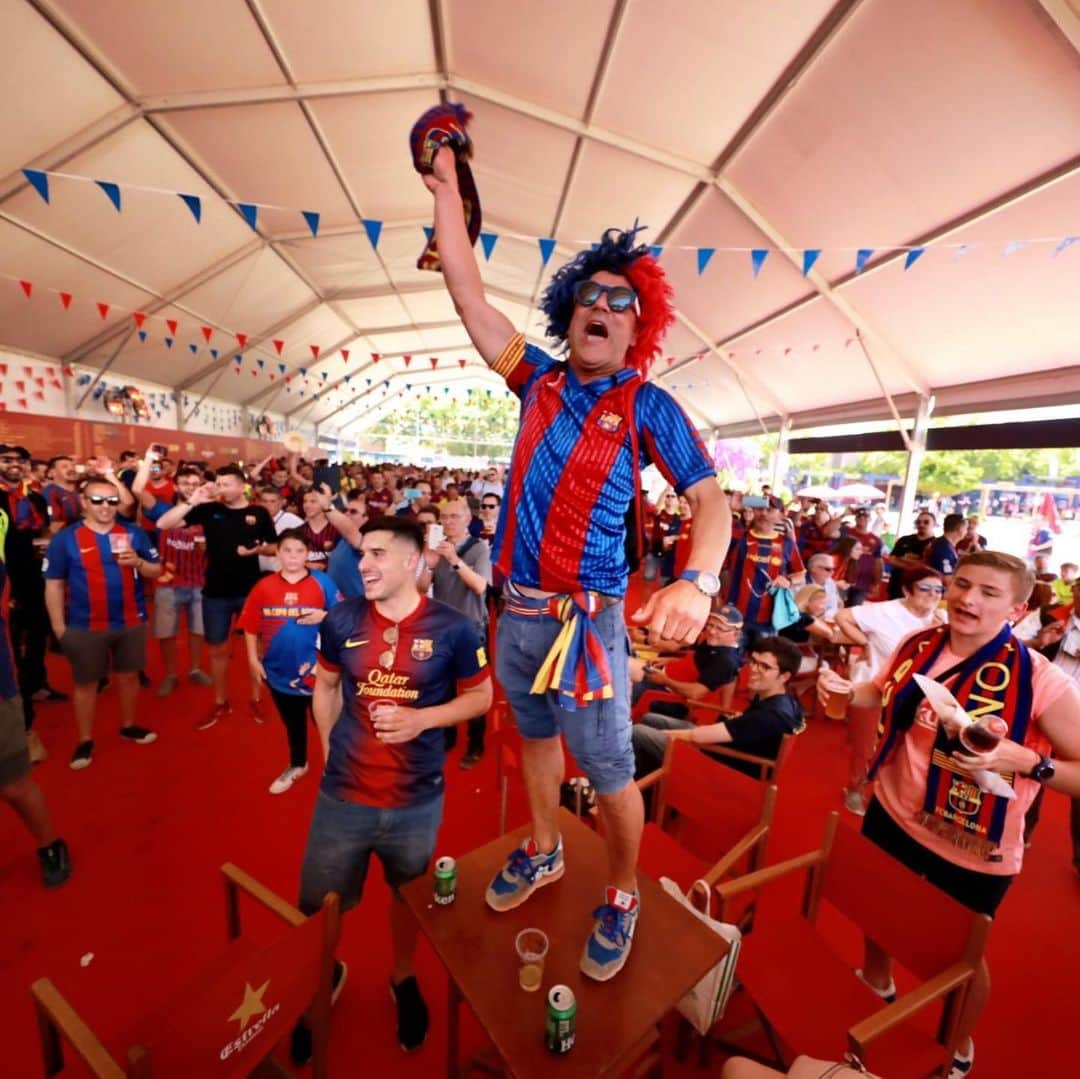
780 456
916 451
884 392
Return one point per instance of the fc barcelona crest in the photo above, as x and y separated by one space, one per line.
965 797
610 422
421 649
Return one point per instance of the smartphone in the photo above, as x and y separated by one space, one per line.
754 502
411 493
435 535
330 475
158 450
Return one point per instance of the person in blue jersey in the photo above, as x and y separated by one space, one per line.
17 788
395 669
280 620
589 423
94 595
343 565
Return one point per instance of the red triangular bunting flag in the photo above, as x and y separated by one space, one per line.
271 376
241 340
314 350
50 371
279 345
38 380
139 318
65 299
207 332
461 363
288 378
39 396
236 368
407 359
374 357
434 362
171 323
69 371
670 360
21 402
345 355
3 368
57 384
27 287
103 310
253 372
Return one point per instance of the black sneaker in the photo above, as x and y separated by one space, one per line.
47 693
83 756
55 863
300 1048
139 735
412 1014
144 680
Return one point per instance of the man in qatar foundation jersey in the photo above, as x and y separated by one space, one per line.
589 423
407 667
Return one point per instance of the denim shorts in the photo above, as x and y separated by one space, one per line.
218 613
344 835
599 735
169 602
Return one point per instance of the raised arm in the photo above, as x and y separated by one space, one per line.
489 328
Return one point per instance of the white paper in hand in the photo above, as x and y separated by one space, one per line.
947 708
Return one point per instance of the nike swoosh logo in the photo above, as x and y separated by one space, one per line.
86 550
354 644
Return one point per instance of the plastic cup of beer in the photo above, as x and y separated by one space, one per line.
532 947
982 735
119 542
836 700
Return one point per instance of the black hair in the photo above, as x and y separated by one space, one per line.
402 527
232 470
788 656
298 534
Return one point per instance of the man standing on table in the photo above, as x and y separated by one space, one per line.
394 669
587 426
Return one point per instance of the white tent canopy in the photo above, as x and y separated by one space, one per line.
800 124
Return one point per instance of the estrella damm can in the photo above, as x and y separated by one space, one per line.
445 881
561 1019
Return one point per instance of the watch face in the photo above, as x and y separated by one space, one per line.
708 582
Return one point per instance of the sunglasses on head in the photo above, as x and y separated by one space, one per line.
619 297
108 500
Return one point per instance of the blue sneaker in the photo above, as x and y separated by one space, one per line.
608 946
526 870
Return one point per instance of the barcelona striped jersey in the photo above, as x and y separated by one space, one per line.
562 525
102 594
422 661
183 550
9 683
753 564
64 506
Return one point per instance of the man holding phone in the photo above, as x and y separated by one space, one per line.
94 595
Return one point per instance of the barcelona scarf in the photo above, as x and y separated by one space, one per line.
576 667
25 515
994 681
444 125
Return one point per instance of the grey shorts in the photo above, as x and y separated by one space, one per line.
14 756
169 602
89 652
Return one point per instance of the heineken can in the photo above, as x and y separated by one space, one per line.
445 881
561 1019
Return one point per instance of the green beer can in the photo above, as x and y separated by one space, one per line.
561 1019
445 881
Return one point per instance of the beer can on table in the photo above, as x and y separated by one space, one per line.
561 1019
445 881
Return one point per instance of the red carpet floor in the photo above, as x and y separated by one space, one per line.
149 826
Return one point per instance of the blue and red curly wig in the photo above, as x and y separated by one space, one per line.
616 254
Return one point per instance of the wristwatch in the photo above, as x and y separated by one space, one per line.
1043 772
706 581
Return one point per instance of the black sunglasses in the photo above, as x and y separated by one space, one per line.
489 505
619 297
109 500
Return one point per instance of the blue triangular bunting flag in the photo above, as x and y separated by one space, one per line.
487 242
913 256
238 358
281 368
757 259
261 363
862 257
142 335
373 230
809 257
368 381
1012 247
39 181
303 372
348 378
547 246
168 342
429 232
703 256
214 353
194 204
312 219
194 348
325 375
656 251
1065 244
112 190
250 212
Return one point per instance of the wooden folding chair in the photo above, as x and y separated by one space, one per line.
810 1000
768 770
709 821
229 1020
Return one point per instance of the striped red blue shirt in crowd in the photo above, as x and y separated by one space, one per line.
28 510
753 565
288 648
425 660
9 683
562 524
102 595
182 550
64 506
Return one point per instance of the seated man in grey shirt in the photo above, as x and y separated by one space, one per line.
460 579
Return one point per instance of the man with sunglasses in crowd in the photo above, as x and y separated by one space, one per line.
93 591
588 425
910 550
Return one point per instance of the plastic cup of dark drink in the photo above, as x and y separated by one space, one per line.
983 735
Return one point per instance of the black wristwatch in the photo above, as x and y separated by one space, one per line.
1043 772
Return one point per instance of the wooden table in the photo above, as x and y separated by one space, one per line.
616 1020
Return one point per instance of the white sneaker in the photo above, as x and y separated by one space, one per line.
961 1065
287 779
